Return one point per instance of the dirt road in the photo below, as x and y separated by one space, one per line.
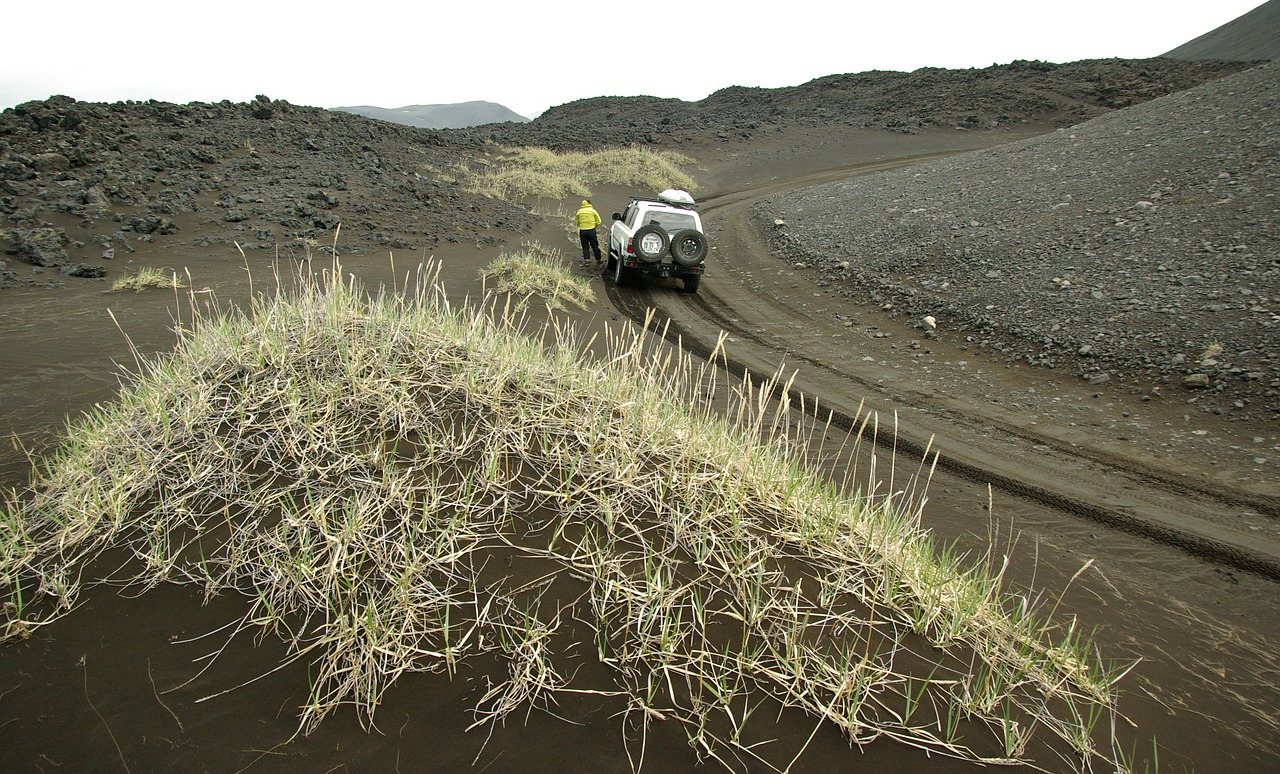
848 355
1182 555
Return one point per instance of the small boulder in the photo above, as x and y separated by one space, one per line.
42 246
88 271
50 162
152 224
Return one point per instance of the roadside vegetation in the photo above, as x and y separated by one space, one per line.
532 174
397 483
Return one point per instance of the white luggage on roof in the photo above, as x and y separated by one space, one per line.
675 196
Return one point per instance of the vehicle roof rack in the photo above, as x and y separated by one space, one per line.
656 200
676 196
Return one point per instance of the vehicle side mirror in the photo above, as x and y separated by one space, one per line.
617 216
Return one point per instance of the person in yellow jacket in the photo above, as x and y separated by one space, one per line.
587 220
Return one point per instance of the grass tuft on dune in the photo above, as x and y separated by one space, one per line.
148 277
536 270
395 483
523 173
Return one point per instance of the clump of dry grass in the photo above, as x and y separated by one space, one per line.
538 270
147 277
364 469
1214 349
516 174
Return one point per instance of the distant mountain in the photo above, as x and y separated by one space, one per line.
456 116
1251 37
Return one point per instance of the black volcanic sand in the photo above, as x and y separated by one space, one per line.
118 683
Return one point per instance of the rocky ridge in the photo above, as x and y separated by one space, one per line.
81 183
1018 92
1140 247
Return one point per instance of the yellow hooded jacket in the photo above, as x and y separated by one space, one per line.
587 218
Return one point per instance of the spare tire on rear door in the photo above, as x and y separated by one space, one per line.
649 242
688 247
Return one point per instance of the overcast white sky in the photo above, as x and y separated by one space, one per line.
530 55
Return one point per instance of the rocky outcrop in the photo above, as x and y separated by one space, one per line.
40 246
268 175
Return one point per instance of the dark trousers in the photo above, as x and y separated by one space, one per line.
590 242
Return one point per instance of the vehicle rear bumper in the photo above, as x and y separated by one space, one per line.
662 269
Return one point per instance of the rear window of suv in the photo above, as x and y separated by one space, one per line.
671 222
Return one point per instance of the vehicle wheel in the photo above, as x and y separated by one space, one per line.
688 247
622 275
691 282
650 242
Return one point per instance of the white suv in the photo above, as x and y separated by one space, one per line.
660 236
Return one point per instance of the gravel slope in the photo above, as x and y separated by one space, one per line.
1255 35
1140 246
